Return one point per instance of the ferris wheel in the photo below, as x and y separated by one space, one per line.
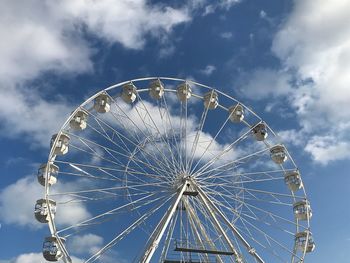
171 171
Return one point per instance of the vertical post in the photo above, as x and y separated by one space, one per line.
196 220
161 227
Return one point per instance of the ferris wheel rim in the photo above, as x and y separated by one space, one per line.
52 156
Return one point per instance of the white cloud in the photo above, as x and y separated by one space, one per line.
320 52
9 203
46 36
211 6
29 258
208 70
226 35
35 258
315 79
124 21
37 39
110 257
166 51
328 148
88 243
263 83
229 3
292 136
25 112
42 36
151 122
262 14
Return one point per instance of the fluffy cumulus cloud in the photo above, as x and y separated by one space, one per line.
66 215
315 80
206 148
9 200
38 39
88 243
328 148
126 21
26 112
320 52
42 36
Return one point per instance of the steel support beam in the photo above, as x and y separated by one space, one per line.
218 225
249 248
161 227
196 221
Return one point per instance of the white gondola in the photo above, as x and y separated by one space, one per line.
184 91
51 249
302 210
211 100
61 146
52 171
304 241
41 210
260 132
102 103
79 120
129 93
293 180
156 89
236 113
278 154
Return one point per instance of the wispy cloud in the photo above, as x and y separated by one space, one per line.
208 70
226 35
263 83
210 7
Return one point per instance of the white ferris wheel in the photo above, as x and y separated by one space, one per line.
171 171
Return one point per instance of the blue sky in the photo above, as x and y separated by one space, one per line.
288 60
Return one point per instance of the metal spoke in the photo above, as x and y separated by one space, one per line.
163 169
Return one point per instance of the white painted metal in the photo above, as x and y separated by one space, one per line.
161 167
214 209
212 212
160 229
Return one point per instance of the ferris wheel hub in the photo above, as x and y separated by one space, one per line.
182 179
